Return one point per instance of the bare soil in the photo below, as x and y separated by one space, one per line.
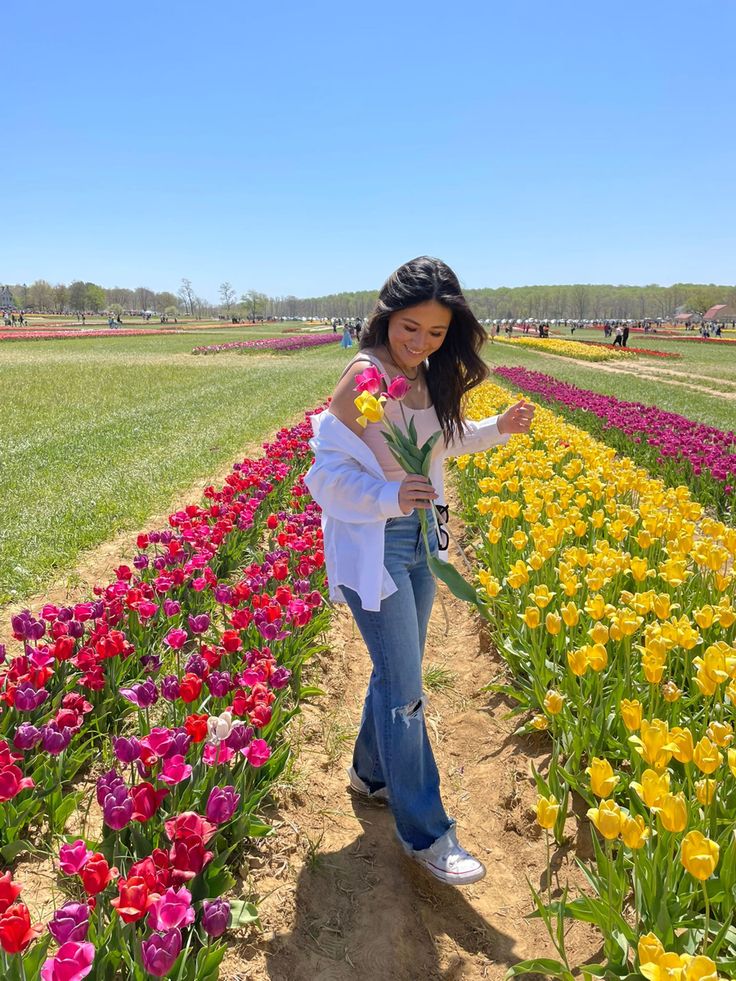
338 898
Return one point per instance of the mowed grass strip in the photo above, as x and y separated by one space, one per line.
97 437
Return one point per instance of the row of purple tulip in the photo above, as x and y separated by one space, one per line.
271 344
682 448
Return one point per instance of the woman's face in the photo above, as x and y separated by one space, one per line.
417 332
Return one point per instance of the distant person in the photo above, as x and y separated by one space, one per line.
347 340
618 336
625 336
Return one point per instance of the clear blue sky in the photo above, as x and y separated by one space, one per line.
307 148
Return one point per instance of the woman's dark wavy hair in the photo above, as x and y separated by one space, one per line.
457 366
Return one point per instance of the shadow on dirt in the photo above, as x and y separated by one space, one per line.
368 912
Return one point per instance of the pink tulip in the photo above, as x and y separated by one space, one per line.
73 961
73 858
257 752
398 388
189 823
213 755
369 381
176 639
172 910
158 740
174 770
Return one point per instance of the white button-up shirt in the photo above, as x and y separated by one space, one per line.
347 482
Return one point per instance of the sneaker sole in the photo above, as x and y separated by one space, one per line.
452 878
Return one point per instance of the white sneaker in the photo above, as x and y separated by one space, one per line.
448 861
362 789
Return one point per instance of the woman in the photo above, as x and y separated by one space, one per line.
422 328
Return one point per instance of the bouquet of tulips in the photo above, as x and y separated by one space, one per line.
412 457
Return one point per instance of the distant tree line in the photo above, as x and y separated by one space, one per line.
571 302
81 297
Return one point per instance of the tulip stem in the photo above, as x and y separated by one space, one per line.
549 867
707 919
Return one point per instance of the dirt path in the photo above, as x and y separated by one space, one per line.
338 898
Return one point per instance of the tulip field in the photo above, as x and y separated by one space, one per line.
143 727
611 599
180 676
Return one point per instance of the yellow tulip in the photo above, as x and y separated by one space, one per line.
650 949
491 585
553 623
631 712
596 607
700 968
539 722
493 535
607 818
547 811
705 790
554 702
599 633
639 569
704 616
536 561
682 739
670 692
668 967
726 615
578 662
531 617
672 812
732 761
624 623
721 733
542 596
570 614
699 855
705 683
661 604
706 756
602 778
518 574
634 831
654 744
653 788
653 667
370 408
519 540
597 656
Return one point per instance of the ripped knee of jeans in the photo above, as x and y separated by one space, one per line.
413 710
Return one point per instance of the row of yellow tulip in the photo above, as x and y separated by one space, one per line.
568 349
612 597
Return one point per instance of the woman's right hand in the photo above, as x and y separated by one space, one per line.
416 492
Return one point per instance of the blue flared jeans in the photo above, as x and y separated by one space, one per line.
392 748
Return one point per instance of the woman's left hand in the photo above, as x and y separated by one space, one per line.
516 419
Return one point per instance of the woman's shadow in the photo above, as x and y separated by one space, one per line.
366 911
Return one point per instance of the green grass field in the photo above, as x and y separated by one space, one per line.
98 435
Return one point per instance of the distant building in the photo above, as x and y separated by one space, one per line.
721 312
6 299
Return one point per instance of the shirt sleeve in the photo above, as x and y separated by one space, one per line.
478 437
347 492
